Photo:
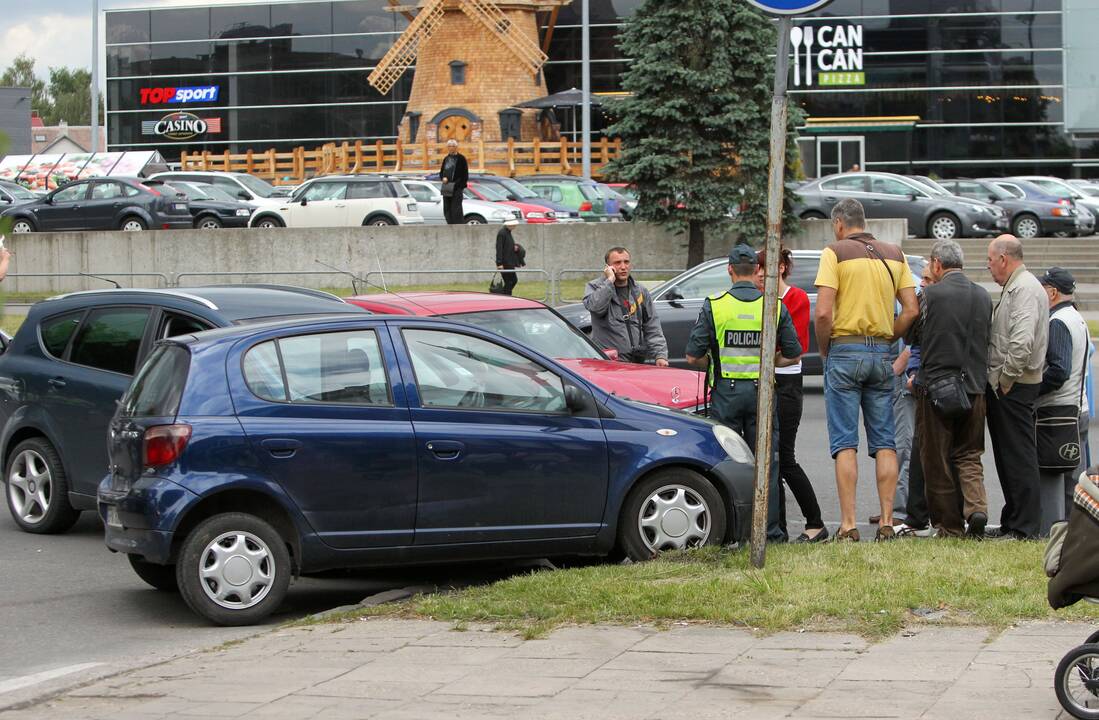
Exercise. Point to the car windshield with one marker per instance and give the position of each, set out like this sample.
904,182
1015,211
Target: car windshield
539,329
517,188
490,193
934,187
19,192
257,186
998,192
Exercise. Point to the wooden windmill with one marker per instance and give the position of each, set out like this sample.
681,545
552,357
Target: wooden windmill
474,60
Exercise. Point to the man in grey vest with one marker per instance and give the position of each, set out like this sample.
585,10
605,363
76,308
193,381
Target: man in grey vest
1063,380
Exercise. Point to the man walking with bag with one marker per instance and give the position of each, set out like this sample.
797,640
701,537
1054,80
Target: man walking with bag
509,255
455,177
952,333
1061,397
1016,355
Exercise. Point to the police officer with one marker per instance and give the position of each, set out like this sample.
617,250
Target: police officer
726,341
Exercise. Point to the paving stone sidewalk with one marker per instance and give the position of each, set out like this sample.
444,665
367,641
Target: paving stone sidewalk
419,670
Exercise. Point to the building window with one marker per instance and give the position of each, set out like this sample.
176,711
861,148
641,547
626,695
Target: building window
457,72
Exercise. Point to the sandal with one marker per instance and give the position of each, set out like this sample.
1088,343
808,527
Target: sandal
885,533
851,535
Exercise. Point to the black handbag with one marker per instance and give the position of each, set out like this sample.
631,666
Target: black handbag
447,188
948,396
496,287
1057,433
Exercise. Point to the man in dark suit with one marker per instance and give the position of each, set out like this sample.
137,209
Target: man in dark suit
455,177
953,330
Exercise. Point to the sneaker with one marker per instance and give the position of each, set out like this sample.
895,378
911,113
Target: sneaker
975,525
851,535
906,530
925,532
885,533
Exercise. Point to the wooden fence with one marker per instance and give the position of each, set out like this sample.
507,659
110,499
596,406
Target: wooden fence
502,158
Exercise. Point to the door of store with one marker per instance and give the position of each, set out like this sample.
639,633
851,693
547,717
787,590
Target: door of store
840,154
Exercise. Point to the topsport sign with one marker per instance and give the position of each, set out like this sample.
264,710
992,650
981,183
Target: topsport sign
161,95
789,7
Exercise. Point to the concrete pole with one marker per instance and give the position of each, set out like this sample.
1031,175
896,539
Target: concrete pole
766,407
95,76
585,86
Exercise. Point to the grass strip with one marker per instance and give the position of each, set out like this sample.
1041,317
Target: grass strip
873,590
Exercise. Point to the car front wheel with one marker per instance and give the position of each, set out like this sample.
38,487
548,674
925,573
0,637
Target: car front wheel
38,489
474,220
944,226
233,569
22,226
268,222
672,509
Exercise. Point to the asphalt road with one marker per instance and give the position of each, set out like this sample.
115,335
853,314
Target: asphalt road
67,601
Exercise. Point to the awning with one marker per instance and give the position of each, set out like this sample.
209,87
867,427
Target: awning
566,98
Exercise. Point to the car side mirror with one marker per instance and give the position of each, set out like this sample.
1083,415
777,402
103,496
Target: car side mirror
673,296
913,197
304,202
243,195
576,399
611,353
7,200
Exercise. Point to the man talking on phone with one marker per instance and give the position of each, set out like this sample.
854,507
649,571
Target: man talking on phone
623,317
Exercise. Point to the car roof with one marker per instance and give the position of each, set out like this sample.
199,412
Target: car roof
444,303
199,172
232,302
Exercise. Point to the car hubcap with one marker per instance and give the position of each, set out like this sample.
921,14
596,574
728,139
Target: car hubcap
1026,228
209,225
30,487
474,221
267,224
21,227
131,226
673,518
944,229
380,223
237,570
1082,682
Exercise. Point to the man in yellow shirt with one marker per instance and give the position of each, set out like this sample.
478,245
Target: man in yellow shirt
860,281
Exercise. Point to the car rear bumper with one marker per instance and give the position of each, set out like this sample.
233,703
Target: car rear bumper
140,521
738,481
1062,224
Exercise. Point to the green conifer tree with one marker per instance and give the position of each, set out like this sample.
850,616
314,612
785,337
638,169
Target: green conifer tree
695,125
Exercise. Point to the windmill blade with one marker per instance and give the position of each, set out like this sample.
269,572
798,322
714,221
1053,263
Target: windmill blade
404,50
493,18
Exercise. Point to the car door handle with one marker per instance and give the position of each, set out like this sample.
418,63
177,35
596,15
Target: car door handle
446,449
57,382
341,206
281,447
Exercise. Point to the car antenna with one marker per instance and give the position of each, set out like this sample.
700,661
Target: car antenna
97,277
355,279
383,288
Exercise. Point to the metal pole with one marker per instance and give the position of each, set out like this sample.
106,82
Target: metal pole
765,410
585,86
95,76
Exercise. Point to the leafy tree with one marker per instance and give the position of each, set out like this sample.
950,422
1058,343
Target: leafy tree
67,97
21,74
695,126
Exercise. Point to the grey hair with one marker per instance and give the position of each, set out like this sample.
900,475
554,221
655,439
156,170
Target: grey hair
451,141
949,253
850,212
1008,245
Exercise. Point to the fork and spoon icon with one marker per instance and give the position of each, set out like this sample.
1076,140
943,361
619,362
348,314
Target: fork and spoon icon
798,37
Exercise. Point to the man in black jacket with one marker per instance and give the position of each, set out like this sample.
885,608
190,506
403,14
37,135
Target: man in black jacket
953,331
509,255
455,176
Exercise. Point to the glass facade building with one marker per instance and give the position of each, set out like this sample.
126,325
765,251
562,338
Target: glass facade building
950,87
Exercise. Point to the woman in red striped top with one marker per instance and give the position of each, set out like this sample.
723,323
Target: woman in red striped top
789,395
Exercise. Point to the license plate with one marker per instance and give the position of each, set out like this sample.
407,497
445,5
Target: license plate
181,206
112,517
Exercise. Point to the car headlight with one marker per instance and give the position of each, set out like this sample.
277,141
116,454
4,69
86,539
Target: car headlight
243,212
536,215
734,445
976,208
501,215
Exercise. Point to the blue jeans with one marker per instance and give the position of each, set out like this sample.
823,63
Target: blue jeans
859,376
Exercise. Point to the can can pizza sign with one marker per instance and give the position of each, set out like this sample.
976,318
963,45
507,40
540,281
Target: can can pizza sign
180,126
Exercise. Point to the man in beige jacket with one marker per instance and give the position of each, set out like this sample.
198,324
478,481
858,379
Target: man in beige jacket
1016,356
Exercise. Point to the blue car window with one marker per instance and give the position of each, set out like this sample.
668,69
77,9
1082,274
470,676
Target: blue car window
705,283
57,330
158,387
339,367
262,372
111,339
460,371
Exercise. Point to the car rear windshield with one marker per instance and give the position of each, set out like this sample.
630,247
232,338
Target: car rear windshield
156,390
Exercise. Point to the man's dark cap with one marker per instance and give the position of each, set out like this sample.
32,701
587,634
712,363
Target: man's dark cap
742,254
1059,279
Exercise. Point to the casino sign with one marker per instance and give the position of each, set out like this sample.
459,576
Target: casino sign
181,126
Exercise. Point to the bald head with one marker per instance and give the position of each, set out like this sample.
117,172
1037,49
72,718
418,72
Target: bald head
1005,255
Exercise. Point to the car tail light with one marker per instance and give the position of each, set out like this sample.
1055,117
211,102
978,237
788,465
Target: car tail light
164,444
1061,212
585,207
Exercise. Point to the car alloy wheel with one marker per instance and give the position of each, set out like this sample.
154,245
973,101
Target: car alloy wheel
381,222
268,223
30,487
209,223
237,570
1026,227
944,227
474,220
674,517
22,226
133,225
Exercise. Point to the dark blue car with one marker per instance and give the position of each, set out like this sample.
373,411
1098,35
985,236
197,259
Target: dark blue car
70,362
243,457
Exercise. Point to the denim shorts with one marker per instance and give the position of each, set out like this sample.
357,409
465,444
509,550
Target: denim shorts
859,376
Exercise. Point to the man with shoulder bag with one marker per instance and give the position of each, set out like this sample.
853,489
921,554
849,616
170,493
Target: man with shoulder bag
1061,397
952,331
454,175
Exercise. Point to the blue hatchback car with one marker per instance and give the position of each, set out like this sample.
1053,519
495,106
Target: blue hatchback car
242,457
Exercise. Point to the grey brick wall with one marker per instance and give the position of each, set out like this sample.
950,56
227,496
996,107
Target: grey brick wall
15,118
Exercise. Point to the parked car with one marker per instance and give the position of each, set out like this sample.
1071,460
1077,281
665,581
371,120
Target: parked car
74,356
241,186
1083,221
282,191
242,457
627,199
611,205
539,327
514,190
342,201
211,208
679,300
115,203
12,193
429,201
584,198
1039,215
885,195
1061,189
531,212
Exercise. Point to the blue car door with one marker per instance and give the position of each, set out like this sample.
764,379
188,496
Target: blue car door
333,432
501,457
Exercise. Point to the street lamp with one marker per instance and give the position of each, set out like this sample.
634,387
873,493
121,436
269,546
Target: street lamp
585,86
95,76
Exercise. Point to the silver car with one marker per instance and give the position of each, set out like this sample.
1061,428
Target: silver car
429,196
885,195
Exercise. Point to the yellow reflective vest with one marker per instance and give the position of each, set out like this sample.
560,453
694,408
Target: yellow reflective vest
738,329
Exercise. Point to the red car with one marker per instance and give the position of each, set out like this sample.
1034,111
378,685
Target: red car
532,213
541,328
